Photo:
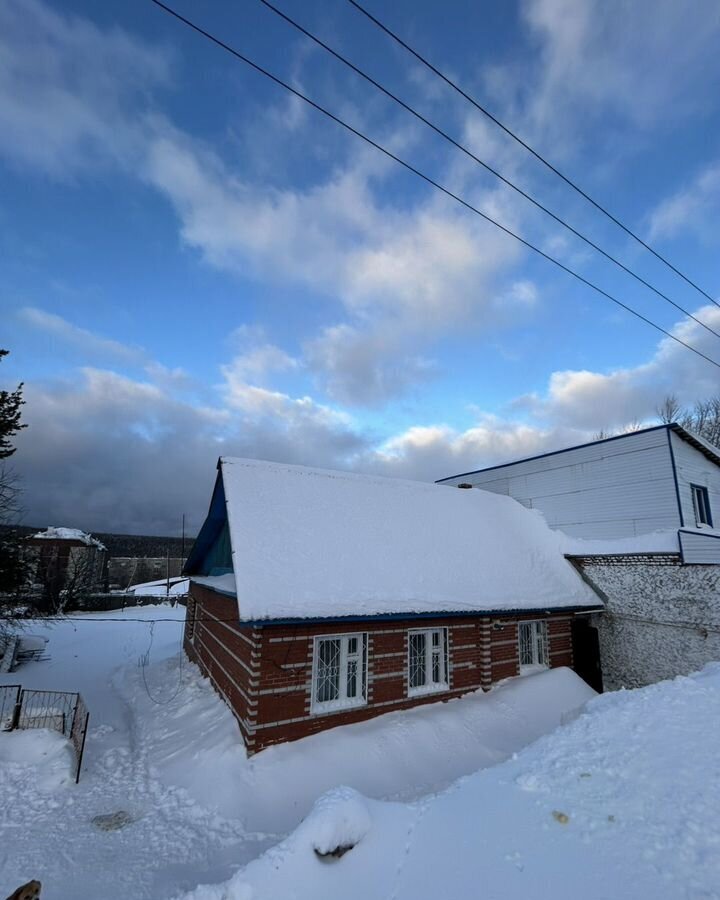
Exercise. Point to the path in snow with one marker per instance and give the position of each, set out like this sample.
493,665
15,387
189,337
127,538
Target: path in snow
172,840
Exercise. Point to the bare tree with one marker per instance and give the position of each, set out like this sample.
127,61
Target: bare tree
634,425
703,418
65,575
669,410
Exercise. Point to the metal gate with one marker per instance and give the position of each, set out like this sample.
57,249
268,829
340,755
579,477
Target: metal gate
58,710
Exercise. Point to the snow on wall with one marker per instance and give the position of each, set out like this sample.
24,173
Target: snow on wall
662,618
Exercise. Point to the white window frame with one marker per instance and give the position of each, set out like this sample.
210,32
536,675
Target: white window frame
430,687
701,505
343,701
540,646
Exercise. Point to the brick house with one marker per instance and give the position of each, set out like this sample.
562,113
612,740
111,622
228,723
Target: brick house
66,565
322,598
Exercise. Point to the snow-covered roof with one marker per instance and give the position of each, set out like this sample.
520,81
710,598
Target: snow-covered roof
311,543
175,586
54,533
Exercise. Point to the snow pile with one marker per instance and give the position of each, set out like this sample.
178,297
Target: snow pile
37,759
400,755
55,533
310,542
622,803
653,542
339,820
667,541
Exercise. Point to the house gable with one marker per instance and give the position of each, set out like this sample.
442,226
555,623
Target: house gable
211,554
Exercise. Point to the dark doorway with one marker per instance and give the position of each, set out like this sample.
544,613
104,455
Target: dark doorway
586,653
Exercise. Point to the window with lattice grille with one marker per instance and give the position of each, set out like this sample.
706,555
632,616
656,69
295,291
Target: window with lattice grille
427,660
339,672
533,644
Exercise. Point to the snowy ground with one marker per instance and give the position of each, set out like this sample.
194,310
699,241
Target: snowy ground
624,802
165,749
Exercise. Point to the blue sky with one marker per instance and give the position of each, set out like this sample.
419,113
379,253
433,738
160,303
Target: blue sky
195,263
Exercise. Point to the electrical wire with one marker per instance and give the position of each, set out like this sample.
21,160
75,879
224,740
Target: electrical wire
145,659
456,87
258,68
507,181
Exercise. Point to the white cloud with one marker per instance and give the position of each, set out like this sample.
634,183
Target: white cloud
139,455
365,366
428,265
74,95
87,345
694,208
86,341
69,90
636,60
258,363
438,451
595,400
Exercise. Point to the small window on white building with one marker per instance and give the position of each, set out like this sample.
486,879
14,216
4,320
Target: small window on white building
701,503
533,641
427,661
339,672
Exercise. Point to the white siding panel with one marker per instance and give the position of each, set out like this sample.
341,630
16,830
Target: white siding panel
700,548
693,467
610,489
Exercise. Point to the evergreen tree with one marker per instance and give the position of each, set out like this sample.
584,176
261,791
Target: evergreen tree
10,403
11,558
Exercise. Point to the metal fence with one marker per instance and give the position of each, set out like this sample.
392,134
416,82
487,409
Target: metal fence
58,710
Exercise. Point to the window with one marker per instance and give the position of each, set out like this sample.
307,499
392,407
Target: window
701,503
339,672
533,641
427,661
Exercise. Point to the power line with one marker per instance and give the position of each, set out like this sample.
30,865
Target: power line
455,143
427,178
530,149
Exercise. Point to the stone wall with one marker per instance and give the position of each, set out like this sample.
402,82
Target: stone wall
662,618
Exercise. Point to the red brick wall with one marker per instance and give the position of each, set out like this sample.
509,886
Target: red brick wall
504,658
286,674
227,652
265,673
